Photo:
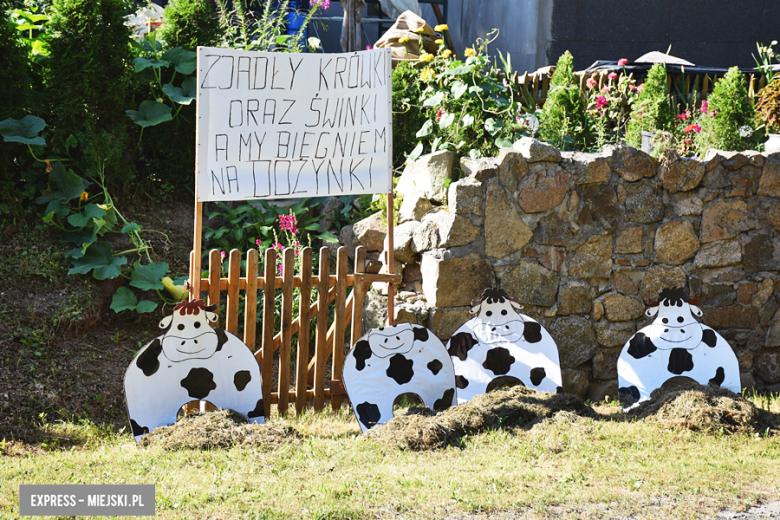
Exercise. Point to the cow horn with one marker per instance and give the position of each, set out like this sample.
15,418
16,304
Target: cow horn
694,300
166,310
514,299
474,303
652,303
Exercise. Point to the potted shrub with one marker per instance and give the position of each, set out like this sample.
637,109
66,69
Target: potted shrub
768,113
729,124
564,121
652,109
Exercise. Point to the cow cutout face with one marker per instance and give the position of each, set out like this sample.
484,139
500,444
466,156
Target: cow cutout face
497,319
674,345
189,335
387,341
191,363
675,325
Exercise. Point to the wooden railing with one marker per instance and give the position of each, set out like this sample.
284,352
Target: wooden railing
310,382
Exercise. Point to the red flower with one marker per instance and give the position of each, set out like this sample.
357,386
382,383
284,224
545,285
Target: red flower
692,128
439,113
612,75
631,87
683,116
622,62
590,83
601,102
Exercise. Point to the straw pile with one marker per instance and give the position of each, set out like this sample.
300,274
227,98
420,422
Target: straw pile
515,407
709,409
222,429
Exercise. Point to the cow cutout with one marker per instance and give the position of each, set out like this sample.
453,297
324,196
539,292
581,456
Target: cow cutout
191,361
500,346
390,361
673,345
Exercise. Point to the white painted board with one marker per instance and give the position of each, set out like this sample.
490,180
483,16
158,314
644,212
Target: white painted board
191,361
501,345
391,361
281,125
673,345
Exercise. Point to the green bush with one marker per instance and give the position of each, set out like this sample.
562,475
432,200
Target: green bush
564,122
14,69
731,127
189,23
652,110
407,115
88,67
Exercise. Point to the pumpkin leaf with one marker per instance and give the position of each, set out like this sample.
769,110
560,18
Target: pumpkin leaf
182,95
80,220
149,277
123,300
100,260
150,113
24,130
184,61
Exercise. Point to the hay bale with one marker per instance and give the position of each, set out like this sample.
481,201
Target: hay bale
515,407
221,429
709,409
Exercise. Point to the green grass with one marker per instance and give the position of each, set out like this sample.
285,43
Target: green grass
562,469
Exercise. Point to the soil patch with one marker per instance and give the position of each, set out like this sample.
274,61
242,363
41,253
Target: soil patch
708,409
222,429
420,429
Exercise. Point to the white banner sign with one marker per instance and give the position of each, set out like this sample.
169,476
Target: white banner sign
277,125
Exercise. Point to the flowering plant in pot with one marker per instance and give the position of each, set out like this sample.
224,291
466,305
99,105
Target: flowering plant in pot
768,113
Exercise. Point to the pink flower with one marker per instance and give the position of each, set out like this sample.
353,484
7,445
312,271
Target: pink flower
631,87
590,83
280,270
325,4
697,128
605,88
439,113
258,242
368,47
288,223
278,247
683,116
640,88
222,254
601,102
692,128
704,107
712,114
612,75
622,62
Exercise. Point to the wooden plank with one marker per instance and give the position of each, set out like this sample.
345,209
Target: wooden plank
215,268
330,336
337,389
322,331
288,271
267,361
304,320
250,308
390,262
195,260
358,293
340,320
296,322
223,282
234,273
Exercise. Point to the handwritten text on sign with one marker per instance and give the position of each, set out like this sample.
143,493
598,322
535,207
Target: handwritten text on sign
276,125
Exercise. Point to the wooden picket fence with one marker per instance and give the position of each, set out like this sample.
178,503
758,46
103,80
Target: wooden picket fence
310,383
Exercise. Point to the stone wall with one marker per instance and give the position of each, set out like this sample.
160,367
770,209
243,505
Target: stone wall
583,240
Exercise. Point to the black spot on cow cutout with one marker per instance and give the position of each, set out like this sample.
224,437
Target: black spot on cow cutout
420,333
503,382
537,374
558,389
368,414
720,375
498,360
445,402
138,430
674,296
199,383
640,346
362,353
628,396
259,410
461,382
241,379
148,361
680,360
400,369
434,366
532,332
460,344
221,339
709,338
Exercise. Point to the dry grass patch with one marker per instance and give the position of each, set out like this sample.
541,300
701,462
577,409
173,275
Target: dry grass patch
420,429
708,409
222,429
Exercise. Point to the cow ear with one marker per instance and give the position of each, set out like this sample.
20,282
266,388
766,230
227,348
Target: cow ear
516,306
696,311
475,309
212,307
652,311
166,322
212,316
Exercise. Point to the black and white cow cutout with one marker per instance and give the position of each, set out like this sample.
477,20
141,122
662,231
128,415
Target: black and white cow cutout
674,344
501,345
392,361
191,361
